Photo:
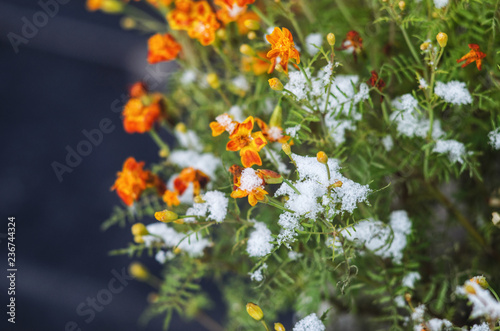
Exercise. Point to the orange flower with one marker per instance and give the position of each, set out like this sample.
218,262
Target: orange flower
251,183
94,5
162,48
191,176
283,46
272,133
140,114
249,15
138,90
248,143
223,123
180,18
133,180
204,29
257,64
377,82
474,55
233,10
353,42
171,198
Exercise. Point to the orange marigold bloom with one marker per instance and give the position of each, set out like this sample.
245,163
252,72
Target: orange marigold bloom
139,117
204,29
223,123
171,198
474,55
138,90
233,10
251,183
133,180
192,176
249,15
272,133
352,43
180,18
283,46
257,64
249,144
94,5
162,47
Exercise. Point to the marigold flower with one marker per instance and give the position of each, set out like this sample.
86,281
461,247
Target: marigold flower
162,47
251,183
139,117
248,143
474,55
272,133
180,18
377,82
223,123
352,43
232,10
133,180
204,24
171,198
192,176
108,6
282,46
138,89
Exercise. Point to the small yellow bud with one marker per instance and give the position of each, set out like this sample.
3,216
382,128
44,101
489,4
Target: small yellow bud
251,35
481,281
128,23
276,84
166,216
279,68
279,327
322,157
336,184
213,81
163,153
470,289
402,5
177,250
112,6
435,15
424,46
331,39
138,271
247,50
153,297
138,239
252,24
286,148
139,229
181,127
199,199
442,39
254,311
221,34
276,117
408,297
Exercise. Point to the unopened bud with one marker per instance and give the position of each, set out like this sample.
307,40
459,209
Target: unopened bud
198,199
213,81
286,148
166,216
112,6
164,152
276,117
336,184
408,297
322,157
153,297
251,35
181,127
138,90
481,281
247,50
331,39
402,5
252,24
221,34
279,327
177,250
442,39
276,84
254,311
424,46
139,239
139,229
138,271
128,23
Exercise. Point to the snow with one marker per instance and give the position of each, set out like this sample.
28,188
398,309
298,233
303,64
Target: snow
454,92
258,244
214,208
250,181
494,137
313,40
205,162
410,279
309,323
257,275
454,149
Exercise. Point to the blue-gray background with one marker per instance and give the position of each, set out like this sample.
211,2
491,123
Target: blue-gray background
63,81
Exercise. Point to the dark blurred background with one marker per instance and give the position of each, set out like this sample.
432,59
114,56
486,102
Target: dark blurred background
64,79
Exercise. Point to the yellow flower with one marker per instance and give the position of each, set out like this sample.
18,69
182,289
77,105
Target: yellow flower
283,46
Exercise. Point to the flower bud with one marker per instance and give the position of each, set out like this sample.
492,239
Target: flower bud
331,39
138,271
402,5
139,239
322,157
112,6
254,311
407,297
442,39
164,152
276,84
139,229
198,199
336,184
424,46
181,127
128,23
166,216
221,34
252,24
469,289
247,50
138,90
279,327
481,281
177,250
286,148
276,117
213,81
251,35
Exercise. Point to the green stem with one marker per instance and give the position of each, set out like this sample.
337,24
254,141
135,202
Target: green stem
271,203
494,293
291,185
158,141
410,45
262,16
265,325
